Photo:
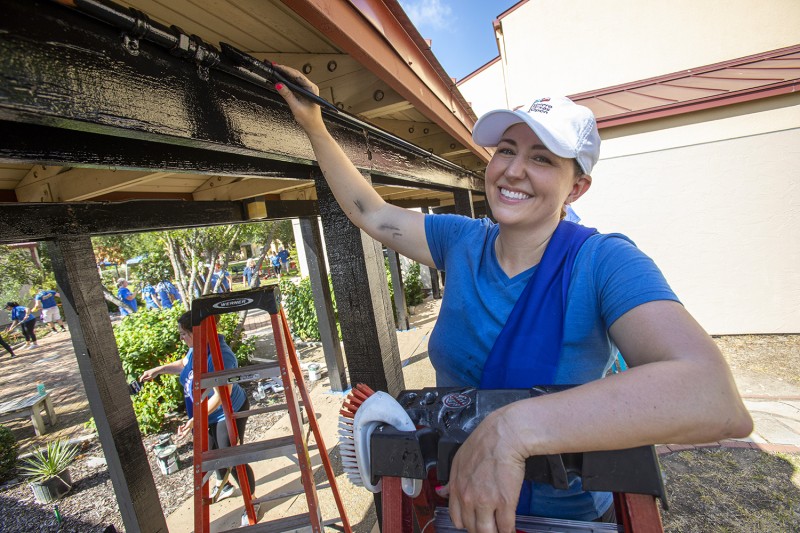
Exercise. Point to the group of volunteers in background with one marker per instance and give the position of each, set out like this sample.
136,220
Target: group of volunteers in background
25,318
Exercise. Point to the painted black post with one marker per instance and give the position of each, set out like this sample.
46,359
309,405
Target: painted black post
362,298
318,272
401,310
105,384
463,203
436,289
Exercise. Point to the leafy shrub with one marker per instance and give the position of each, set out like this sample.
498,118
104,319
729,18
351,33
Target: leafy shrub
412,286
150,338
9,450
298,302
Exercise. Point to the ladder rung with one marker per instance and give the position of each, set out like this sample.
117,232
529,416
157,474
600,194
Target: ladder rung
290,523
250,453
260,410
288,494
239,375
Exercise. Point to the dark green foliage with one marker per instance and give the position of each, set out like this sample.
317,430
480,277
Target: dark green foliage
298,302
150,338
9,450
412,286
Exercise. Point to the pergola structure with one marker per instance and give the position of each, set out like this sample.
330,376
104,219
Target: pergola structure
127,117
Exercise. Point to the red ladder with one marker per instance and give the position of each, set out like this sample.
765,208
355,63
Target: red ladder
206,461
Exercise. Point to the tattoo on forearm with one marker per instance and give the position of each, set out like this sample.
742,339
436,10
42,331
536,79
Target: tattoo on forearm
359,206
396,233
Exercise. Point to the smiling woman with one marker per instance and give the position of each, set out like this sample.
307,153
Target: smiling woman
535,300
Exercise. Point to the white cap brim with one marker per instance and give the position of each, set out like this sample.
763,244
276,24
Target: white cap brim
490,128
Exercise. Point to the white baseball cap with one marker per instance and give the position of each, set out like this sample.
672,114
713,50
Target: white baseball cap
566,128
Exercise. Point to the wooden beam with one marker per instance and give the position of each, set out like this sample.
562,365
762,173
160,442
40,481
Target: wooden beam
323,303
400,308
34,222
79,184
103,379
250,188
222,114
362,299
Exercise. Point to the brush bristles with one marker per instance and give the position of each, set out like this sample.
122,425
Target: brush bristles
347,445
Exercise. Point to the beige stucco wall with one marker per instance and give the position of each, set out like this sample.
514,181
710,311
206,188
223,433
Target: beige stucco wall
717,205
713,197
572,46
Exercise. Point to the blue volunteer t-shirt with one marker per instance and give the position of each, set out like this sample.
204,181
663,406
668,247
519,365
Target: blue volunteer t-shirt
123,294
149,295
610,277
163,295
18,313
186,379
47,298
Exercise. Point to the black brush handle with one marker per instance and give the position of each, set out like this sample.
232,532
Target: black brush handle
265,69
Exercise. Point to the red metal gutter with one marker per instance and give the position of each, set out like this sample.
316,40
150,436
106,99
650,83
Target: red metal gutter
370,32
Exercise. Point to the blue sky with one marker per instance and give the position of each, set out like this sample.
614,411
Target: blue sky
461,30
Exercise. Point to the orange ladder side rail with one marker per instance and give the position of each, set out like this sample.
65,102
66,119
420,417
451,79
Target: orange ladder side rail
312,422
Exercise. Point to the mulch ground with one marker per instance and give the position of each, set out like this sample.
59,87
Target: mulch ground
710,490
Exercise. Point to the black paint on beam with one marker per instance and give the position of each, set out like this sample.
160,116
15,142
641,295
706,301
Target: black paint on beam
62,69
103,378
463,203
362,299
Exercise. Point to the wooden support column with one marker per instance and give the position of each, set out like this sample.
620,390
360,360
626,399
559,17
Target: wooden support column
401,311
318,272
463,203
436,289
105,384
362,298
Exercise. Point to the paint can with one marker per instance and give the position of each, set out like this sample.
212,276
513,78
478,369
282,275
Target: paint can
167,457
313,372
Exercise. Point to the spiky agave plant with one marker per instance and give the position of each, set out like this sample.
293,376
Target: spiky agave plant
50,462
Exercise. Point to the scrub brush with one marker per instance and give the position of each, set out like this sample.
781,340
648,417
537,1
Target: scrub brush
362,411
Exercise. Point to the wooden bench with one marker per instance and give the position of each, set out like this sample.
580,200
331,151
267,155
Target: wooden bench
30,406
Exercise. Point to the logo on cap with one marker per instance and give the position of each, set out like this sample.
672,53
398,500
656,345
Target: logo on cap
539,106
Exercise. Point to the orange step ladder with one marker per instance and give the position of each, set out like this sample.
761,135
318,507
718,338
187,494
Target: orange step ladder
204,311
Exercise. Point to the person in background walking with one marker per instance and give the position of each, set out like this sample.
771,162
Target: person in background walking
7,346
22,317
46,301
275,261
248,272
283,257
127,296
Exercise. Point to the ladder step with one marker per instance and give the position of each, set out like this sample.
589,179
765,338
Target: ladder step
262,410
250,453
290,523
288,494
240,375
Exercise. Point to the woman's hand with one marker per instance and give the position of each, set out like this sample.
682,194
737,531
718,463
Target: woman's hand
486,477
150,374
306,113
185,429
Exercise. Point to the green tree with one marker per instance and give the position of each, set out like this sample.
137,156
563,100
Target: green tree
19,268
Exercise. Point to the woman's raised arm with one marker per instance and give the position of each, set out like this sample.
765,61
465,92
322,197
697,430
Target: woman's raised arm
400,229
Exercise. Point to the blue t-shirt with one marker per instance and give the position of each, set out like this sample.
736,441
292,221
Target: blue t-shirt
123,293
610,277
275,260
149,295
18,313
163,295
283,255
172,290
187,381
248,274
47,298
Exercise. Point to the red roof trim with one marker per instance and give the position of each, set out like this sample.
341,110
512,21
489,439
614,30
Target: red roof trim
701,104
769,88
478,70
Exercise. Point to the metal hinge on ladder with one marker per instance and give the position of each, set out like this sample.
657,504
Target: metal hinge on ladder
298,406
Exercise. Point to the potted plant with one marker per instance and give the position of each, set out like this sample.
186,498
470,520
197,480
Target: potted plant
47,470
